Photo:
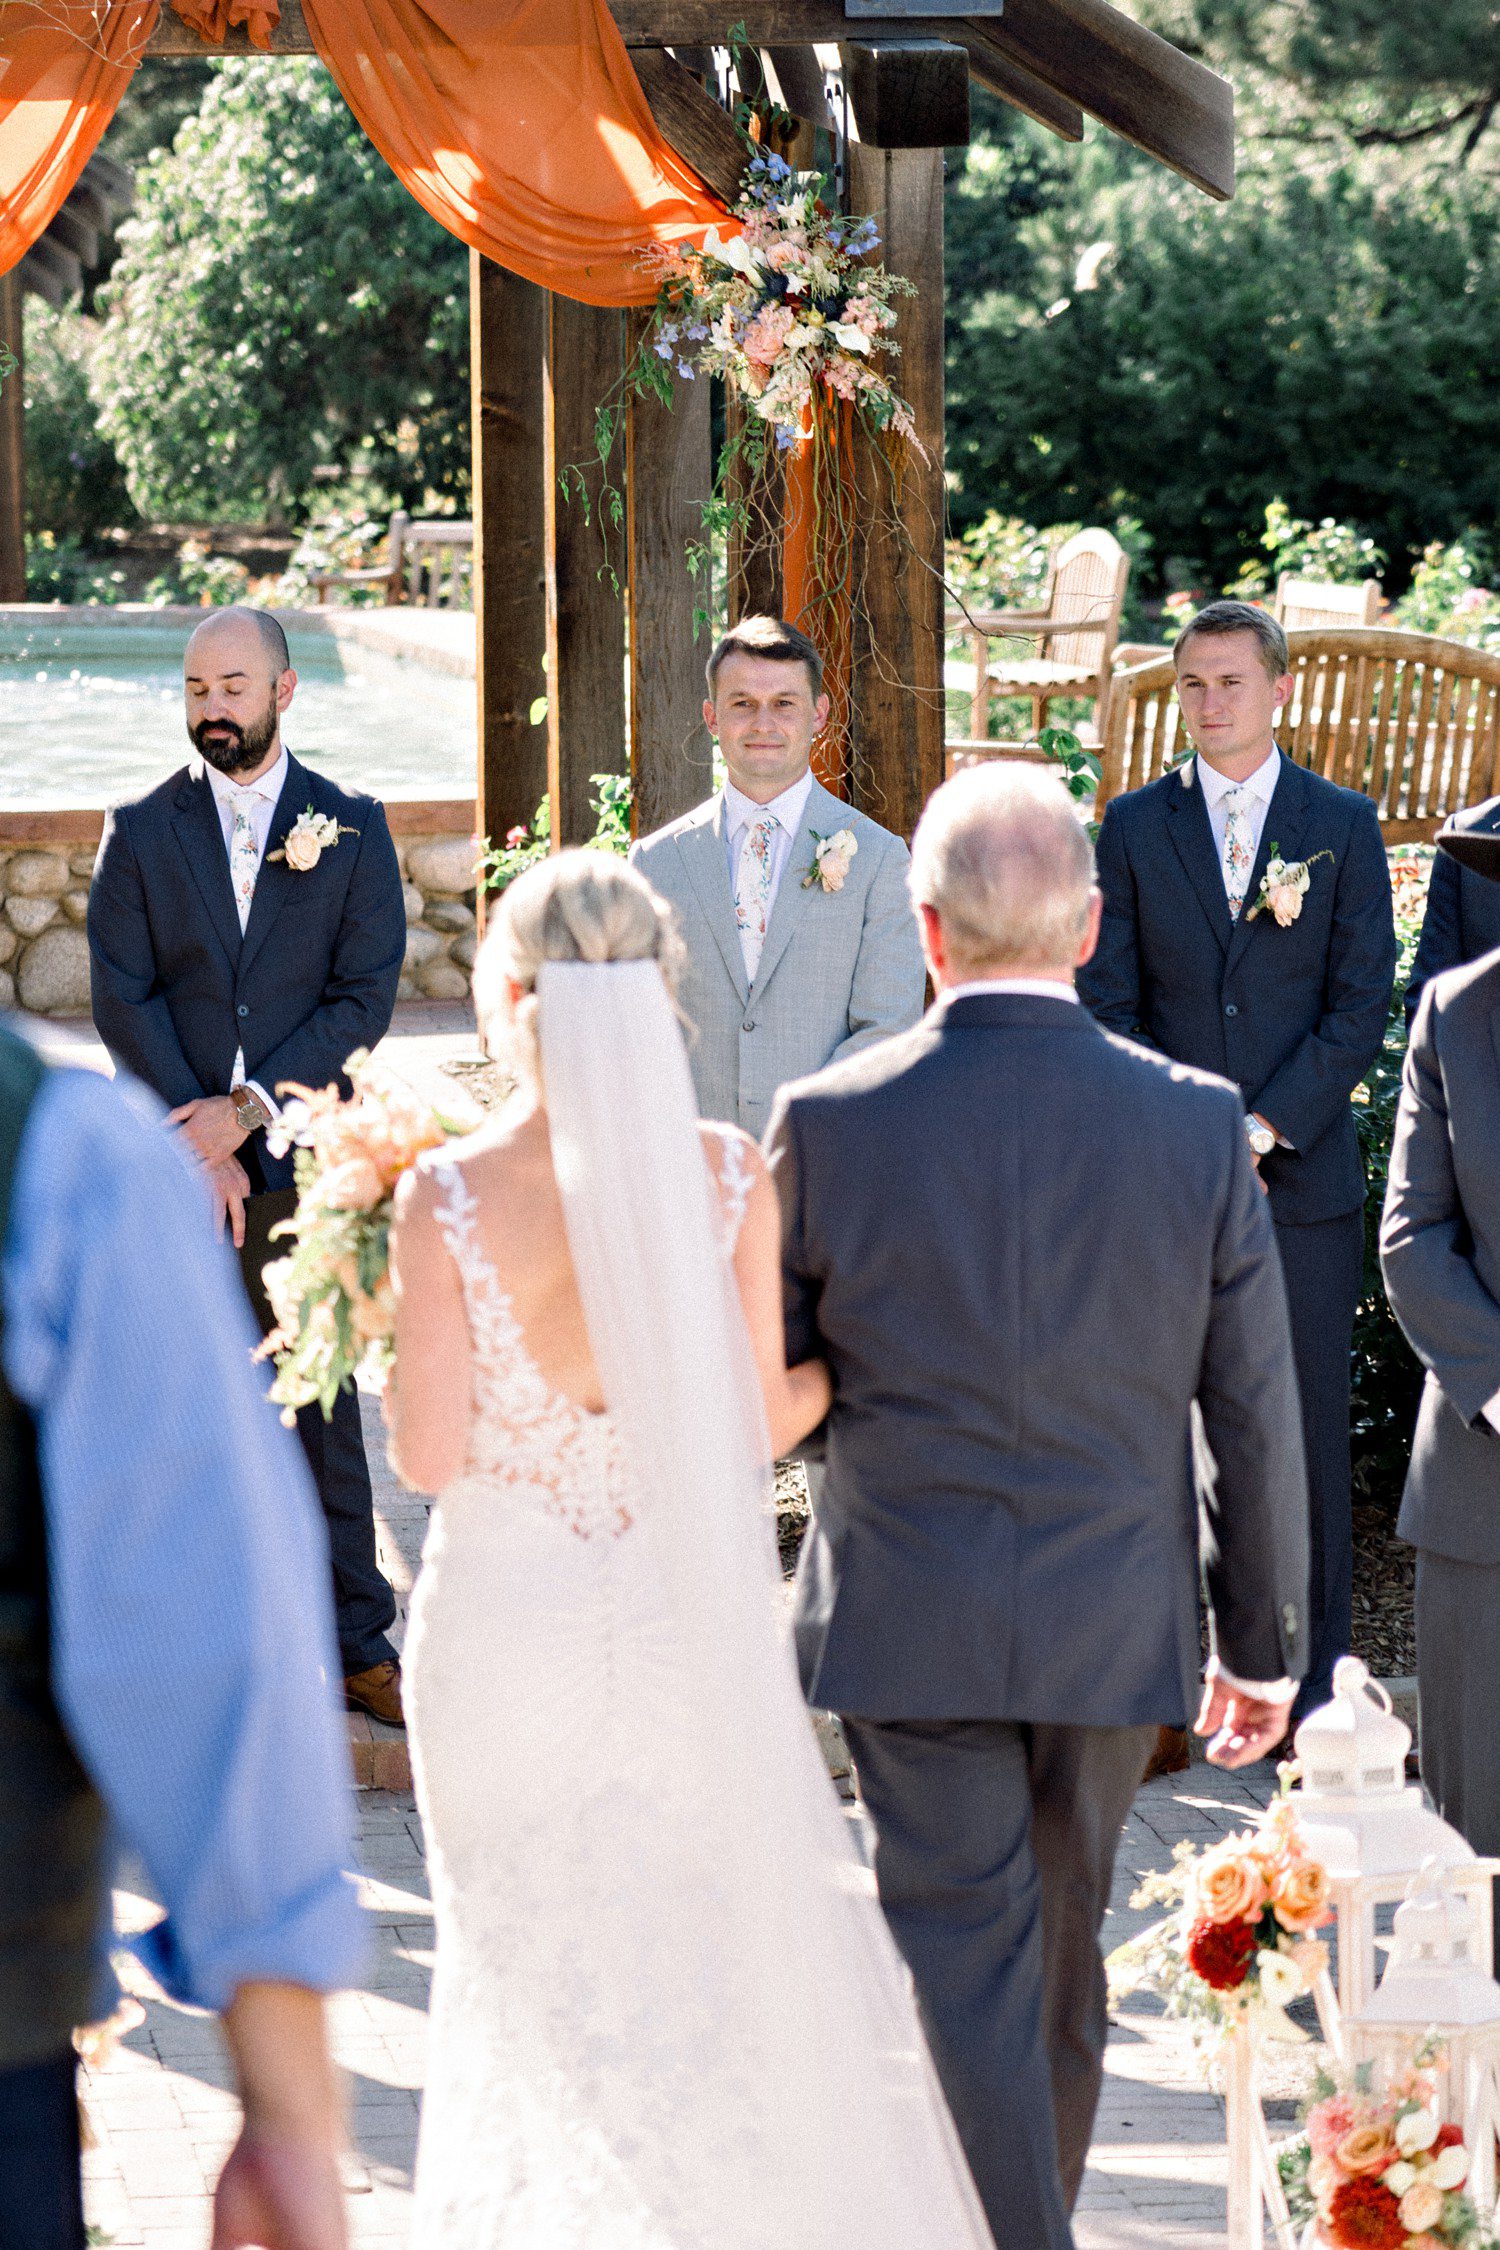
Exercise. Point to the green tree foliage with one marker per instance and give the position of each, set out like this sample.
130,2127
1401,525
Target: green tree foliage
74,484
281,311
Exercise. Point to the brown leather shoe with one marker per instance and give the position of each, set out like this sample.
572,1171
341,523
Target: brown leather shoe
377,1691
1171,1755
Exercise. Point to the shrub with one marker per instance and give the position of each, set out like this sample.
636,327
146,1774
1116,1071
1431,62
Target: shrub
75,487
59,571
1447,595
1332,551
213,581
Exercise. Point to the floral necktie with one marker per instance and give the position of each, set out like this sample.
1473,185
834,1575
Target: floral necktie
752,889
1239,848
244,862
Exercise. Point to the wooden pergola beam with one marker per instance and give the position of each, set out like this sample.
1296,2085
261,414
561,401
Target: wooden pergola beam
907,93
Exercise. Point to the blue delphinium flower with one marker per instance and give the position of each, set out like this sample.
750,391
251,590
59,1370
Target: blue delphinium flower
687,373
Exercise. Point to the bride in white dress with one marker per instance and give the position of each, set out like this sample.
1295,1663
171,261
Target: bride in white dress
666,2014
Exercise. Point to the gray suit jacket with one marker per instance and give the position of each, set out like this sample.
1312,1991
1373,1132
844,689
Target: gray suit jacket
1440,1249
1025,1246
839,969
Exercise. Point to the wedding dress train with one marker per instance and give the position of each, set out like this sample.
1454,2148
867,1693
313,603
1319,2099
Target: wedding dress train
666,2014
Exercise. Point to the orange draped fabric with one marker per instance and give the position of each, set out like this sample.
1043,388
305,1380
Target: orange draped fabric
62,73
521,126
518,124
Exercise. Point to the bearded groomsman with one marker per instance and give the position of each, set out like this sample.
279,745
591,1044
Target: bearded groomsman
1282,987
247,929
802,946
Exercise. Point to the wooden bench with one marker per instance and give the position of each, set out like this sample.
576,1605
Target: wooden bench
429,563
1303,604
1408,719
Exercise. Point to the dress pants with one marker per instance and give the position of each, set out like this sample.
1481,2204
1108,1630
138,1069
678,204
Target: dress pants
41,2195
1458,1697
995,1848
1324,1267
364,1605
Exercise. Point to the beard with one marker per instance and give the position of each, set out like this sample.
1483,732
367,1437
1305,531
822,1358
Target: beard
232,748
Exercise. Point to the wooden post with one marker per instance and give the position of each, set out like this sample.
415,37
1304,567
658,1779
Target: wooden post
507,328
12,448
668,471
898,651
754,558
585,612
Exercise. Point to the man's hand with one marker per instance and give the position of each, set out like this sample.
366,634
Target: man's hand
279,2191
229,1184
1242,1727
211,1127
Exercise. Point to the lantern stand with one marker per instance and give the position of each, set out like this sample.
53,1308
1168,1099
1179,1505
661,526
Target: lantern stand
1372,1830
1255,2192
1434,1986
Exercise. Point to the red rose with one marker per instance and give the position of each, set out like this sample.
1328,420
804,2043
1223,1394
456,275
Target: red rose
1221,1952
1364,2215
1449,2136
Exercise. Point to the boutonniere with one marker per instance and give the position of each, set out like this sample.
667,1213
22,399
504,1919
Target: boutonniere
830,860
1284,885
309,837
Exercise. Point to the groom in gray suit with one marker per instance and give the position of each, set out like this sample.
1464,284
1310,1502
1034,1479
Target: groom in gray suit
801,944
1026,1246
1440,1249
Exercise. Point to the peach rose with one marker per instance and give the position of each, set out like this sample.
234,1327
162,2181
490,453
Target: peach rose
1300,1895
374,1316
1229,1886
1421,2207
303,851
1365,2151
1285,902
834,871
355,1185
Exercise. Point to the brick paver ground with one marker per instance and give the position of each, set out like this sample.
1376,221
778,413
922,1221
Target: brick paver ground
164,2118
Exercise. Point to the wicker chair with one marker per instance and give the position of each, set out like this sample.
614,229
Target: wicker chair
1075,631
1410,720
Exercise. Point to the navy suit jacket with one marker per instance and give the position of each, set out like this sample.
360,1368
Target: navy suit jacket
1462,920
1294,1016
1018,1321
176,987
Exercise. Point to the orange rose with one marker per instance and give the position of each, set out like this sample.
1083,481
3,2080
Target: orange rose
354,1185
1365,2152
1300,1895
1229,1887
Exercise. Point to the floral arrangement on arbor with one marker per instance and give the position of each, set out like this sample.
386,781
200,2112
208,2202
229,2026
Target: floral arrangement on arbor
1239,1944
788,307
1380,2172
332,1296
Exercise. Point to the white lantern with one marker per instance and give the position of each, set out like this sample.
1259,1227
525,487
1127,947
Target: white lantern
1434,1985
1371,1829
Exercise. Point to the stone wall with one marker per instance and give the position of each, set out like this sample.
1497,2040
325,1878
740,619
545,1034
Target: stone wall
46,860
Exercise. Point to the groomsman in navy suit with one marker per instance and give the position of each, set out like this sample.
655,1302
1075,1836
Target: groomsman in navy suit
1284,988
1462,920
231,953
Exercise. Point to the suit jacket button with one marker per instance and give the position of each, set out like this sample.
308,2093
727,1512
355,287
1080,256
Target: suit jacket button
749,1024
242,1010
1230,1008
1289,1618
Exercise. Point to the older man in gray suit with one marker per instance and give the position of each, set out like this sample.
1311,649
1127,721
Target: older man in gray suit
1440,1249
801,944
1026,1246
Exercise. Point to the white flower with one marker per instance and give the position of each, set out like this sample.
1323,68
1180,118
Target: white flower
309,837
1450,2168
1417,2130
1399,2177
1280,1978
853,339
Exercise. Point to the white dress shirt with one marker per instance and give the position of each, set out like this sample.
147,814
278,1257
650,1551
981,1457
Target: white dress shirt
1261,786
741,812
1054,988
258,799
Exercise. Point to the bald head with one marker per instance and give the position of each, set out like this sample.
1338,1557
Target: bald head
1002,873
238,677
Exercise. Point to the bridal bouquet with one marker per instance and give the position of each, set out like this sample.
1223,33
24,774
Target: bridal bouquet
1380,2172
332,1296
1239,1943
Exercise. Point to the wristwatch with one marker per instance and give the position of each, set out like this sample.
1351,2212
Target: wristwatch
1261,1138
250,1110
